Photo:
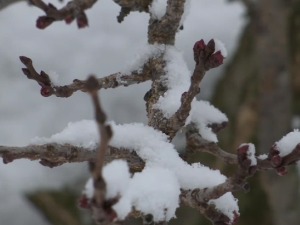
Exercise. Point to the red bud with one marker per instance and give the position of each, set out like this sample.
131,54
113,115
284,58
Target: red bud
46,91
84,202
198,47
82,20
69,19
210,48
44,21
276,160
281,171
215,60
243,149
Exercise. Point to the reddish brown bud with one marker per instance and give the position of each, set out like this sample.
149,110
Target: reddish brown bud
26,71
243,149
46,91
276,160
281,171
236,217
84,202
69,19
210,47
198,47
44,21
215,60
82,20
274,150
25,60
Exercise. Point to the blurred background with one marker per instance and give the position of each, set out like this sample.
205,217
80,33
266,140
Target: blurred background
262,60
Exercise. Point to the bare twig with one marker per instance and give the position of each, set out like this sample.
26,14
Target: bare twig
110,81
98,204
195,143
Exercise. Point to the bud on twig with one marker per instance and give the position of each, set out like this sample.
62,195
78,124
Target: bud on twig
44,21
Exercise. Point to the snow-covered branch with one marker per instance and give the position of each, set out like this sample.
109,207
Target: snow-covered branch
135,167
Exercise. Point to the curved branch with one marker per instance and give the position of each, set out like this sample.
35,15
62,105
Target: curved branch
110,81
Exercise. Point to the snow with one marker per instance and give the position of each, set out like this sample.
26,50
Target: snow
153,191
54,77
158,9
220,46
186,12
116,175
142,55
107,46
203,114
288,143
82,134
177,79
88,190
262,156
227,204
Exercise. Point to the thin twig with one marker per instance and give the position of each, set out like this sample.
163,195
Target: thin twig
110,81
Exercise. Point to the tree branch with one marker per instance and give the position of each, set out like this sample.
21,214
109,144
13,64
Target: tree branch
73,10
54,154
110,81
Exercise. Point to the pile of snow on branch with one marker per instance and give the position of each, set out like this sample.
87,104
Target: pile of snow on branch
156,189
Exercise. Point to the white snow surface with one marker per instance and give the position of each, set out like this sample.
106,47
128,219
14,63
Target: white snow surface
288,143
262,156
227,204
177,79
220,46
162,164
82,134
116,175
153,191
203,114
142,55
158,8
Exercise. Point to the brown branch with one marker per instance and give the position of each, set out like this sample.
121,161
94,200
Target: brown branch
195,143
163,31
54,154
110,81
73,10
100,211
189,198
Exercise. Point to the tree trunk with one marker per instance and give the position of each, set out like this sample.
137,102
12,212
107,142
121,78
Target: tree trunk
257,90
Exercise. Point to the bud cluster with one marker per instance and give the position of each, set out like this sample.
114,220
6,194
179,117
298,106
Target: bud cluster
205,53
